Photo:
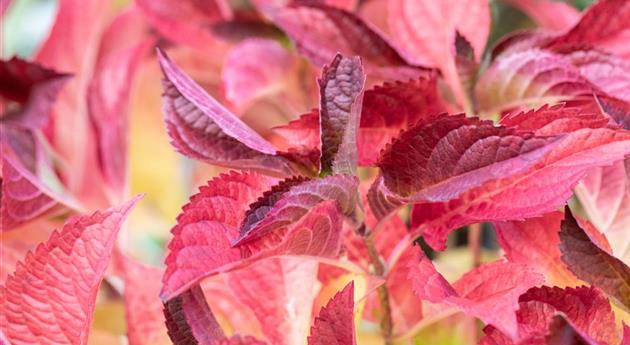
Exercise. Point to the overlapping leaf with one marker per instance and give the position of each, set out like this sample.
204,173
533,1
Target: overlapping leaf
392,107
320,32
306,220
586,142
51,296
449,156
201,128
189,320
550,14
489,292
28,93
23,197
341,96
335,322
591,263
298,201
529,78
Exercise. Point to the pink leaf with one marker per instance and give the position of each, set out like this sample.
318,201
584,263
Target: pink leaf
626,335
392,107
426,29
534,242
109,96
51,296
341,96
592,264
24,197
254,68
302,133
238,340
298,200
451,155
281,293
29,91
320,32
186,21
489,292
582,146
143,308
604,25
72,46
608,72
529,78
201,128
190,321
335,322
550,14
605,195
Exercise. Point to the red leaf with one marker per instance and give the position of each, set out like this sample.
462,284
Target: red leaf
51,296
550,14
143,308
534,242
335,322
186,21
109,95
592,264
426,29
201,128
295,203
190,321
626,335
341,96
320,32
303,133
527,79
605,195
586,308
206,227
451,155
33,88
489,292
281,293
392,107
604,25
550,179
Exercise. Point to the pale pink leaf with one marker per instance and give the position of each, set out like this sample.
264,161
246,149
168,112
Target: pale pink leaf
550,14
320,32
280,291
489,292
143,308
534,242
605,195
52,294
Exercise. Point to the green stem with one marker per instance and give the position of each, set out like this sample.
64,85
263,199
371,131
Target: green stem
383,295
